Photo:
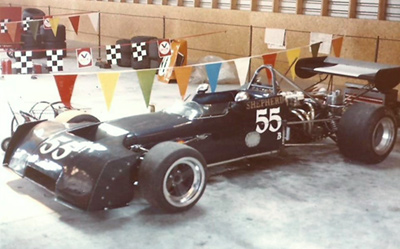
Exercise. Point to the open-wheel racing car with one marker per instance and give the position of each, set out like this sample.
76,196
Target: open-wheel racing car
166,154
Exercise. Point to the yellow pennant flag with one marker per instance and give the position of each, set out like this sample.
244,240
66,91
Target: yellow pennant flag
337,46
54,24
182,77
292,56
108,83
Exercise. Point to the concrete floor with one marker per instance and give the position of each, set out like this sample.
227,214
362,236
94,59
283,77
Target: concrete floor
308,197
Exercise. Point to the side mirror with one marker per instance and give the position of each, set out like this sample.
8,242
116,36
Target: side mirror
202,88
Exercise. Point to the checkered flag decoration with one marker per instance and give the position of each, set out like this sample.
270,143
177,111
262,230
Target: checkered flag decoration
24,62
113,53
3,25
25,23
55,60
139,51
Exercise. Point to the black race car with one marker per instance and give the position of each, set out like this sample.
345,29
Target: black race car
97,165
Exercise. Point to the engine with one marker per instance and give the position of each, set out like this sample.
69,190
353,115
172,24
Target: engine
313,116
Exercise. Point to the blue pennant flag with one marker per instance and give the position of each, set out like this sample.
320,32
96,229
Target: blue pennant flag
213,73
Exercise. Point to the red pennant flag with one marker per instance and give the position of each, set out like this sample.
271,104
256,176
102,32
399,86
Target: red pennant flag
75,23
269,59
65,85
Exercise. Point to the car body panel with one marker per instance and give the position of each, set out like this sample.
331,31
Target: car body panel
91,166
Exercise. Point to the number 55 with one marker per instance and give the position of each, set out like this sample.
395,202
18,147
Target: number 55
263,122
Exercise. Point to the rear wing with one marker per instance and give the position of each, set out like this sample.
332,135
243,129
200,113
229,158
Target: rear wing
383,77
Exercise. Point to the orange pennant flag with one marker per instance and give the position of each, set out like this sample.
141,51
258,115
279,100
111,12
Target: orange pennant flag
108,83
65,85
54,24
12,29
269,59
292,56
182,75
337,46
75,23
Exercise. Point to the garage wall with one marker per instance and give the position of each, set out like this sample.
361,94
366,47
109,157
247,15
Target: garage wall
228,33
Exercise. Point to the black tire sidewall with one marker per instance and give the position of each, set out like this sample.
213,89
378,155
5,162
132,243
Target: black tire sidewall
35,14
356,129
29,40
145,63
155,166
126,53
83,118
5,143
56,46
48,35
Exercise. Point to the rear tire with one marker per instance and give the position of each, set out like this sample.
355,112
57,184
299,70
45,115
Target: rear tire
145,62
172,177
367,133
56,46
48,35
34,14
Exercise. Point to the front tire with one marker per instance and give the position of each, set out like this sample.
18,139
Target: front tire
367,133
5,143
75,116
172,177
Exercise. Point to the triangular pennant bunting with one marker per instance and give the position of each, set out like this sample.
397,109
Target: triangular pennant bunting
146,79
34,27
213,74
242,68
12,29
315,49
54,24
182,78
75,23
94,19
108,83
337,46
269,59
65,85
293,55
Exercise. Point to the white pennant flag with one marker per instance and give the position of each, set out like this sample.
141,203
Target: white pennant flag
94,19
242,67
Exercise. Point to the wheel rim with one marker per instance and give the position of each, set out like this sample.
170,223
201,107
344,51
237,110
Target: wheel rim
383,136
184,182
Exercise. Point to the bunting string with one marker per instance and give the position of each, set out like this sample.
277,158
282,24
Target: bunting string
108,79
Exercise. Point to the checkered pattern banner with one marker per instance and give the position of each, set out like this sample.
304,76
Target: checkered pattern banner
55,60
3,26
23,62
113,53
139,51
25,23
